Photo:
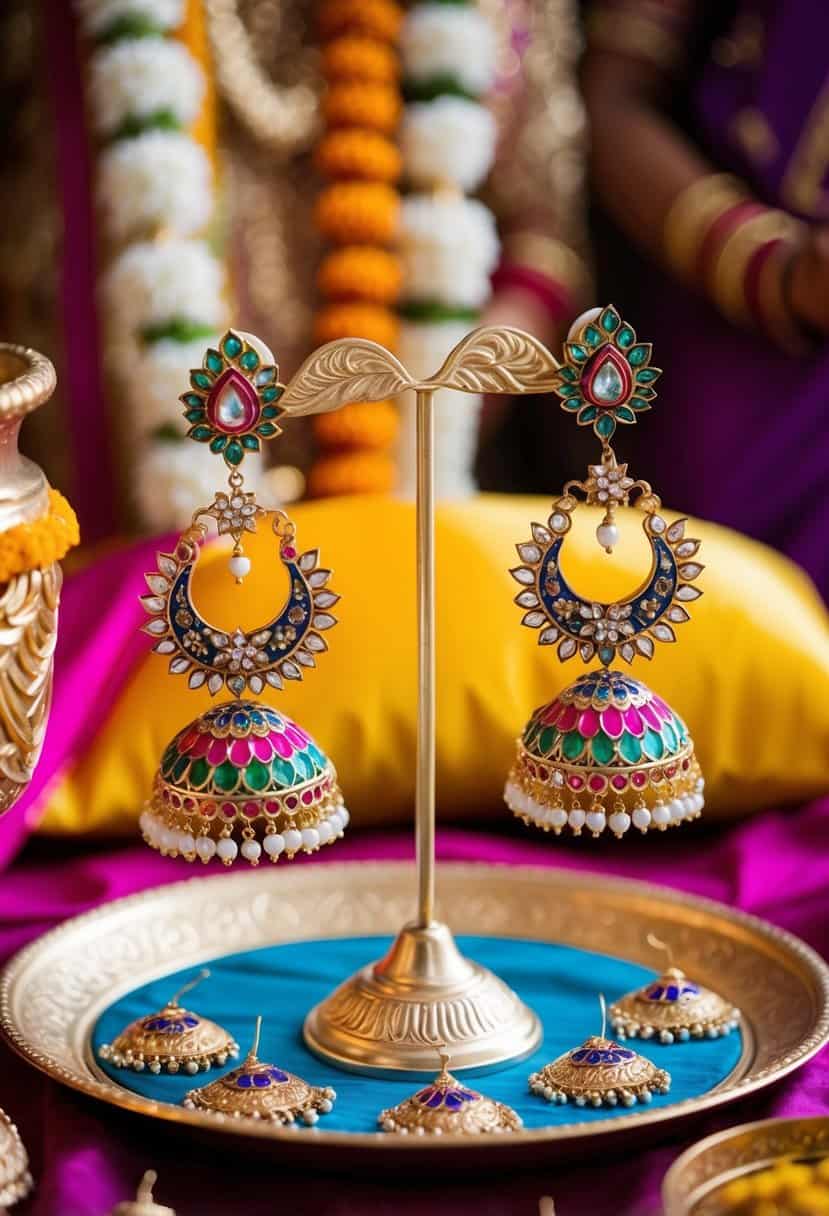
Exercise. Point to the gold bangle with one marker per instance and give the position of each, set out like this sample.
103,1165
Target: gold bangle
773,309
549,256
729,271
692,213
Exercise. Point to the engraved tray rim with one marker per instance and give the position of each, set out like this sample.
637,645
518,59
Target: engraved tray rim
52,978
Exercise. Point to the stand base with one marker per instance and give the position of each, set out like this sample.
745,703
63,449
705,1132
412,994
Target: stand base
391,1015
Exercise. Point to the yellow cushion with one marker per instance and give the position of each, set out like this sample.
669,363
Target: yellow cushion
748,673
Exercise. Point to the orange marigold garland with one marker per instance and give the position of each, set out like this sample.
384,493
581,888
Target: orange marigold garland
360,279
39,543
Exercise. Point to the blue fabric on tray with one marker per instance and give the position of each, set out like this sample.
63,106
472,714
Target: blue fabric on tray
283,982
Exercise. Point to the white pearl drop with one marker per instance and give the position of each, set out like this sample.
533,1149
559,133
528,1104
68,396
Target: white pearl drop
310,838
641,818
186,843
596,821
239,565
677,810
607,535
251,850
293,840
169,839
345,818
325,831
619,822
205,847
558,817
274,845
227,849
576,819
660,814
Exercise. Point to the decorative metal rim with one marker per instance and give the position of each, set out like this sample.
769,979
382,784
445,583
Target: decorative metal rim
524,884
710,1162
31,388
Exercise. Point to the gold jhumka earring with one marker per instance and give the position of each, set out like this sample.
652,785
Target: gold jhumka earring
446,1106
607,752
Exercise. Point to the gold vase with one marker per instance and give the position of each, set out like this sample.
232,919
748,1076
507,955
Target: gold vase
29,601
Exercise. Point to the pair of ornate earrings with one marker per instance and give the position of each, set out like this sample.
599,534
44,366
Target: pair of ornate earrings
599,1072
244,780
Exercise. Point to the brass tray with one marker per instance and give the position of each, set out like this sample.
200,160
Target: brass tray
693,1180
53,991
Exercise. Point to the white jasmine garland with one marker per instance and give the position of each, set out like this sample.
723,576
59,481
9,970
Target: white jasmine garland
141,77
157,180
448,141
153,283
161,372
99,16
455,40
448,248
176,476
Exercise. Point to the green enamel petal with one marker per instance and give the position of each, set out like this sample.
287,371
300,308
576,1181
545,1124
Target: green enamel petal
303,765
625,337
587,414
648,374
648,393
576,352
567,373
624,414
201,380
257,775
571,404
610,320
200,433
547,740
192,399
283,773
639,355
630,748
602,748
249,361
218,444
636,403
270,411
568,390
199,772
234,452
316,755
572,745
194,415
214,362
226,776
271,394
266,429
592,335
669,737
231,345
605,426
652,744
250,442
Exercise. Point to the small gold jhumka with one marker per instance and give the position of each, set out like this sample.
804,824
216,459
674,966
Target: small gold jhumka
445,1106
607,752
172,1040
672,1008
600,1072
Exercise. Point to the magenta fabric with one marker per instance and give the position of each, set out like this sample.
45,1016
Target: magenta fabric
99,643
85,1158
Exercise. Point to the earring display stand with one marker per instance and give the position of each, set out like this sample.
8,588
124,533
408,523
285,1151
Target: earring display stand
389,1016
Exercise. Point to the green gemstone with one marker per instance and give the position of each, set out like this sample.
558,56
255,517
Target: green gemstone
547,740
218,444
249,361
270,411
231,346
639,355
250,442
266,429
257,775
214,362
624,414
576,352
530,734
226,776
194,415
234,452
200,433
625,337
180,767
567,373
605,426
587,414
193,399
592,335
283,773
571,404
602,748
647,393
637,403
606,655
271,394
569,390
200,380
199,772
316,755
652,743
610,320
572,745
648,374
630,749
669,737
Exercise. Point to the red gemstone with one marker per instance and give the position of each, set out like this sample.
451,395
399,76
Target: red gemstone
307,797
639,779
290,552
575,783
619,783
228,809
291,802
606,380
251,809
272,807
233,405
597,783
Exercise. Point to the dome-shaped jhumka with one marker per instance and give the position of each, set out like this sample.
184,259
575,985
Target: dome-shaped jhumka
672,1009
600,1073
243,779
448,1107
606,753
172,1040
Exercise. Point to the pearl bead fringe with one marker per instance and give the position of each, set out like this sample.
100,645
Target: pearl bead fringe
661,816
173,842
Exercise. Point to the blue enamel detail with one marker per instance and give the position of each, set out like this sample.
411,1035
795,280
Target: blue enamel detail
667,994
451,1099
589,1056
261,1080
165,1025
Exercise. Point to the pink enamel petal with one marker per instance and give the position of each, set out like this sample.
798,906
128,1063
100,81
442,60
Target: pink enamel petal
612,722
262,749
296,736
633,721
217,752
662,709
282,746
589,723
240,752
